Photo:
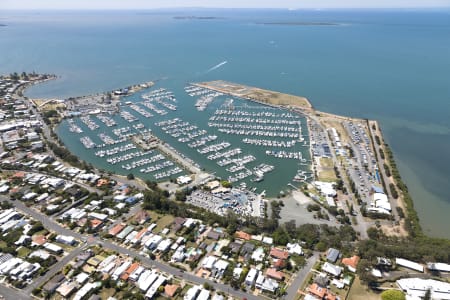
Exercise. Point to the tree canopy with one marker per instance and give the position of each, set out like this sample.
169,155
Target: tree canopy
393,295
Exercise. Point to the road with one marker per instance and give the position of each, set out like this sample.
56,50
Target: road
382,171
13,294
292,291
53,226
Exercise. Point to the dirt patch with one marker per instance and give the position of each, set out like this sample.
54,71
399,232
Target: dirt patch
397,230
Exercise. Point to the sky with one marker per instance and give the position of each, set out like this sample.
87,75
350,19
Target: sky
152,4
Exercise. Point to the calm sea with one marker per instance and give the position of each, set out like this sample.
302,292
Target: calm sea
393,66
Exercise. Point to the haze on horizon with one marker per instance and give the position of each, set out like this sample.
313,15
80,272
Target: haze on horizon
155,4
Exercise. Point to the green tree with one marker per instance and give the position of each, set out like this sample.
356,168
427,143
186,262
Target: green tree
393,295
225,184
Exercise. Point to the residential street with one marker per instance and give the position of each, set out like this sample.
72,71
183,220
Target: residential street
292,291
53,226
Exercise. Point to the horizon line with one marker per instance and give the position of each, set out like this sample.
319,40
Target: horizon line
228,8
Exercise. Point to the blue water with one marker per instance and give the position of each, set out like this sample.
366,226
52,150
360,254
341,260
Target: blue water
393,66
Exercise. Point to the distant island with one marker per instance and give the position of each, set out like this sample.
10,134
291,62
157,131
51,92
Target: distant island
299,23
3,25
195,18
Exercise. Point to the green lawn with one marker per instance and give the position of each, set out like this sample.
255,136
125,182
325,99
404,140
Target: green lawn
359,291
23,252
163,222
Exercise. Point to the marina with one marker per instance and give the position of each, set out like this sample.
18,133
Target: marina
238,141
74,127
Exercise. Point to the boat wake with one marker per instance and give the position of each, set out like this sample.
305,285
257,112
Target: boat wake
217,66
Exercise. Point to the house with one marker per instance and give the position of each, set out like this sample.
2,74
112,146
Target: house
294,248
184,179
258,254
116,229
204,295
164,245
192,293
237,272
66,288
251,276
235,247
440,267
220,266
332,269
95,261
380,203
318,291
53,248
65,239
278,253
247,248
409,264
266,284
128,271
126,231
267,240
243,235
51,286
338,283
208,262
214,235
95,223
42,254
170,290
279,264
351,262
416,288
273,273
322,280
85,290
81,278
217,297
141,217
333,255
178,224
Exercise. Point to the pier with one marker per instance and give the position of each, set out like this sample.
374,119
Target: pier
178,158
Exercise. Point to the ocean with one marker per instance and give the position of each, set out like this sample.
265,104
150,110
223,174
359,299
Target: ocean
389,65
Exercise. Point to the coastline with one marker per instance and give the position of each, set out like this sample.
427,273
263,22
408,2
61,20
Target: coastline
305,108
408,224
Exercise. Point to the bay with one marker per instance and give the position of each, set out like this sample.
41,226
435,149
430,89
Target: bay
388,65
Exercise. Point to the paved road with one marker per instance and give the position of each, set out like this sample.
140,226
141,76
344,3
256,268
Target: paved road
292,291
381,163
13,294
53,226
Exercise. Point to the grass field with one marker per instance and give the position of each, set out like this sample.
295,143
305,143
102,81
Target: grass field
327,176
164,222
106,293
361,292
326,162
326,170
23,252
